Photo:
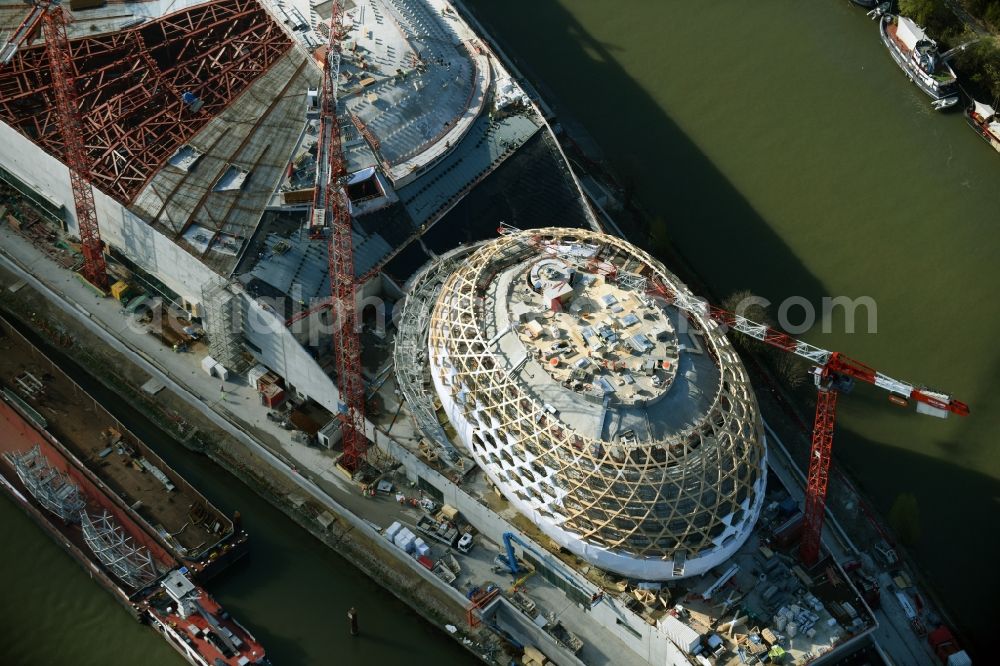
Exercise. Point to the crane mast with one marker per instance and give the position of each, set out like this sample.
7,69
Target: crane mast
331,212
62,74
834,373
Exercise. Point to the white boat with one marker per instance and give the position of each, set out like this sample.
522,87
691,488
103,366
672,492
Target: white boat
984,119
918,56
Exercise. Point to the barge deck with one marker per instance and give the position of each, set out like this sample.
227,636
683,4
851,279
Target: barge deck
105,535
18,437
184,522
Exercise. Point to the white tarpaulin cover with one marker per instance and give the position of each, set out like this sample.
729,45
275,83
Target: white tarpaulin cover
360,176
984,111
909,32
681,634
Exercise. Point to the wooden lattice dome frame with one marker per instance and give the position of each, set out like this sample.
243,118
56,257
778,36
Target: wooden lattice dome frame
655,510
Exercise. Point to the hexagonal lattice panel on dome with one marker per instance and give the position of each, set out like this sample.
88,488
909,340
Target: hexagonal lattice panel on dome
623,426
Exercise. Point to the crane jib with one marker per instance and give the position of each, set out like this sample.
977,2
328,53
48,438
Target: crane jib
829,362
833,371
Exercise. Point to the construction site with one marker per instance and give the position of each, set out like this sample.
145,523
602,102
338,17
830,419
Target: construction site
352,224
646,457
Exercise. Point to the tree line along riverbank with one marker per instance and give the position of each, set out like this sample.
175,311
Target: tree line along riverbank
956,22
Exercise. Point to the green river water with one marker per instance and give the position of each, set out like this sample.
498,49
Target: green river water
785,152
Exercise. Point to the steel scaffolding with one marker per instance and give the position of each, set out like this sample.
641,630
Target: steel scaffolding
51,488
133,565
630,499
410,351
224,325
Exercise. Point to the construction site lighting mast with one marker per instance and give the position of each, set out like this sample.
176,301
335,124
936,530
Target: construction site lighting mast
331,216
833,374
62,73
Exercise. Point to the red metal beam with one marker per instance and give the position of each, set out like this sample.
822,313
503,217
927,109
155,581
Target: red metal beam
130,85
75,155
340,246
819,474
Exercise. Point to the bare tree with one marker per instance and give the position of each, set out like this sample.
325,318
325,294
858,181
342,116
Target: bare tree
747,304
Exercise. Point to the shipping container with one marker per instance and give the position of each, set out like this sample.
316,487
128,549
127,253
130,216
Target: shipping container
682,635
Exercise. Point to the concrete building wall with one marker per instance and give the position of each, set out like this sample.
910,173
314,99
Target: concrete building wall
177,269
158,255
274,345
49,177
148,248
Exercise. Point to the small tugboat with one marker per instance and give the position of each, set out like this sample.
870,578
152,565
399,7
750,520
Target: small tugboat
984,119
917,54
197,627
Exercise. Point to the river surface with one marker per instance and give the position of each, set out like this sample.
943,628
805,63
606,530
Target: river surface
291,591
784,152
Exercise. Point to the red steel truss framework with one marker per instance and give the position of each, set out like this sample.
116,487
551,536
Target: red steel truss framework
130,86
71,127
819,474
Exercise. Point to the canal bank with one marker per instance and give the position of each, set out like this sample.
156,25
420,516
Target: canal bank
789,133
300,585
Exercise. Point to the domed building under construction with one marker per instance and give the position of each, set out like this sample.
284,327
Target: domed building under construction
623,425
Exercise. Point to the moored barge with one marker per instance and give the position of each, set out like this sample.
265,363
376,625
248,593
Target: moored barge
139,482
144,577
984,119
119,548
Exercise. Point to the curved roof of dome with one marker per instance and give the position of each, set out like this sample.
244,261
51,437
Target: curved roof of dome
625,428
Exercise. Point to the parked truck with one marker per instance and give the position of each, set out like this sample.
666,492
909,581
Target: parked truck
447,569
442,531
947,648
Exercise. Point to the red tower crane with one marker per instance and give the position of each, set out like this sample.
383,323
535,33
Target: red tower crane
62,74
331,216
833,373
